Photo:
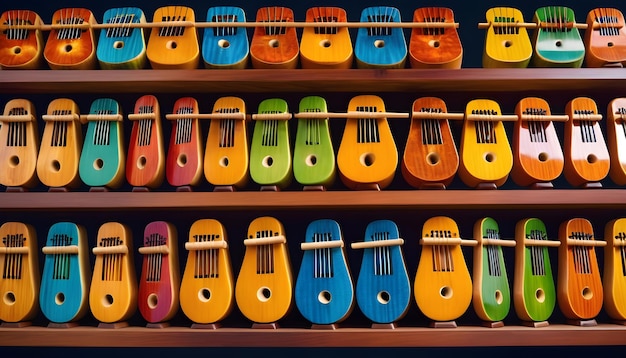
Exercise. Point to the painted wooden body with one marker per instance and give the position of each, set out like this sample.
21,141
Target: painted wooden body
537,153
313,154
122,47
486,156
183,164
383,289
21,48
61,145
443,285
506,46
556,43
264,286
380,47
579,286
72,47
207,286
225,47
113,292
616,138
159,282
145,166
326,47
491,295
175,46
270,150
103,158
367,153
534,292
66,275
435,47
226,158
586,154
614,278
20,145
605,38
324,292
430,155
274,46
20,280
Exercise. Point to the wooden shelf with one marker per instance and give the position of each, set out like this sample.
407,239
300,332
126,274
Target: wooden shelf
313,81
470,336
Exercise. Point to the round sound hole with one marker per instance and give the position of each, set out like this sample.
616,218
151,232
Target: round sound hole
591,158
141,162
59,299
68,48
98,164
14,161
540,295
445,292
56,166
223,43
499,297
587,293
311,160
224,162
610,44
490,157
171,45
383,297
17,50
9,298
325,43
118,44
507,43
182,160
433,158
543,157
324,297
558,43
153,301
367,159
379,43
204,295
434,43
264,294
107,300
268,161
274,43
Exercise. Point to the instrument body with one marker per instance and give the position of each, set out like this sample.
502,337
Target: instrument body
605,38
537,153
486,156
324,292
435,47
263,290
19,147
430,154
61,145
159,283
556,42
206,289
616,138
270,150
383,289
183,164
491,293
175,46
380,47
71,47
367,153
113,291
579,286
20,281
313,154
225,47
533,283
614,279
103,158
586,154
506,46
21,48
274,46
122,47
443,285
226,158
326,47
66,275
145,166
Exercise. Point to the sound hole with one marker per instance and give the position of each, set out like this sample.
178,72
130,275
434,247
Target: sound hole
558,44
610,44
204,295
324,297
507,43
383,297
224,162
432,158
98,164
445,292
17,50
591,158
141,162
9,298
543,157
325,43
274,43
489,157
264,294
268,161
56,165
311,160
540,295
14,161
171,45
223,43
182,160
587,293
59,299
434,43
499,297
68,48
153,301
118,44
367,159
379,43
107,300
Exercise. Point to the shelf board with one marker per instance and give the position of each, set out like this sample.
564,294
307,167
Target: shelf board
468,336
309,200
301,80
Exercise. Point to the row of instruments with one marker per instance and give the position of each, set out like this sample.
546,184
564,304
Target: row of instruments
173,41
367,157
323,291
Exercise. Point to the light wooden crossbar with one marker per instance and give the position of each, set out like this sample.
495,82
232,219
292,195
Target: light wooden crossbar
241,116
377,243
438,115
494,118
205,245
18,118
61,117
447,241
534,25
321,245
594,243
160,249
544,118
58,250
279,239
110,250
101,117
140,116
496,242
21,250
587,117
535,242
271,116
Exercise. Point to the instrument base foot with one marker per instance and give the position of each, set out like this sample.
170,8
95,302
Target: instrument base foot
313,188
140,189
158,325
273,325
184,188
206,326
114,325
58,189
391,325
270,188
432,186
367,186
16,324
442,324
327,327
221,188
98,189
534,324
486,186
15,189
62,325
614,65
591,185
489,324
546,185
582,322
